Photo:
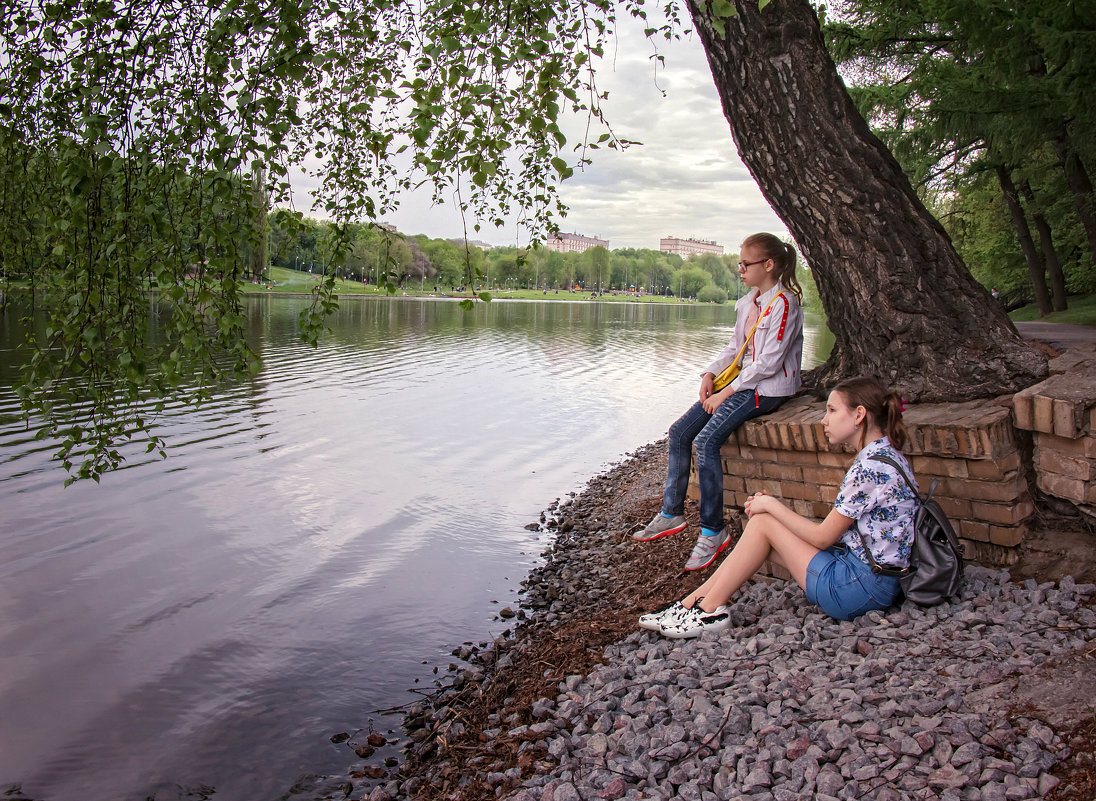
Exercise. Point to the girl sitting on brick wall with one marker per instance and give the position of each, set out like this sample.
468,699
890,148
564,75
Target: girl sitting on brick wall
770,375
874,505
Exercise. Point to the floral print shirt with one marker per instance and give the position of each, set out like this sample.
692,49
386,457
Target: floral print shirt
881,503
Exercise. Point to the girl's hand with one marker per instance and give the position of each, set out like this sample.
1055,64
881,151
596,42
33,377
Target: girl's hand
759,502
706,382
711,403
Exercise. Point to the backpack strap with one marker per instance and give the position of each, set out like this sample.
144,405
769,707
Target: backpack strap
877,568
887,460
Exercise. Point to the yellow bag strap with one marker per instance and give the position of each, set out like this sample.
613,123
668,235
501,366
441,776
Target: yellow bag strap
749,336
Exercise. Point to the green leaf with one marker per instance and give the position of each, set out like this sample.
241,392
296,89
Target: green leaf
723,9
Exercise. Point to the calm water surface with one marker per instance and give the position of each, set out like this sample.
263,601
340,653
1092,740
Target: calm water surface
317,541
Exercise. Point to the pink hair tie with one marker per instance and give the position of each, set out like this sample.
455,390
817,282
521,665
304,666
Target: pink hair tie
902,405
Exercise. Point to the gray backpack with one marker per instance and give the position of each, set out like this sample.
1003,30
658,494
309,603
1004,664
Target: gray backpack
935,573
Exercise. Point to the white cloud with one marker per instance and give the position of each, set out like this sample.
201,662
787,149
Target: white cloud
684,180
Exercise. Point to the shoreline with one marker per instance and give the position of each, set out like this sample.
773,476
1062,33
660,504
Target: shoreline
566,704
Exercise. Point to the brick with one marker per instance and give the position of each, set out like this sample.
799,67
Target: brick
954,508
820,509
1002,514
748,469
734,499
989,444
1079,446
824,475
1071,489
802,491
784,472
1023,410
734,483
809,458
993,468
730,448
769,486
829,495
1044,414
974,530
810,441
1090,493
842,460
1065,418
1006,535
800,507
938,466
693,492
1009,488
784,432
762,454
959,441
1049,461
796,434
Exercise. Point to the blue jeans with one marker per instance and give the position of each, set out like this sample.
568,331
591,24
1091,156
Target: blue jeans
709,431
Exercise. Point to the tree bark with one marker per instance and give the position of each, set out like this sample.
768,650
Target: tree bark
1036,271
1058,297
900,302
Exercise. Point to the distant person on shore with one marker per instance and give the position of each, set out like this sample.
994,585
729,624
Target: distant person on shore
874,509
770,362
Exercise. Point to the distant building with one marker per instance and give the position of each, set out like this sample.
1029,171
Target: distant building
687,247
476,243
573,243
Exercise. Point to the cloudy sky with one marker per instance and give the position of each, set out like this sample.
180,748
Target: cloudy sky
684,180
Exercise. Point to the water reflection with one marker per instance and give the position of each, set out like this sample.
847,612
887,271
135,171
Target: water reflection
316,534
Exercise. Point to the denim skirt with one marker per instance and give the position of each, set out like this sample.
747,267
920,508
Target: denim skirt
844,586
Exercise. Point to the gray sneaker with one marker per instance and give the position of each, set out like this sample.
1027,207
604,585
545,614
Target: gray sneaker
707,549
695,622
660,527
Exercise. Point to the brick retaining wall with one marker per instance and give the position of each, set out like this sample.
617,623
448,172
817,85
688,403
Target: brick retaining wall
971,449
1061,414
986,456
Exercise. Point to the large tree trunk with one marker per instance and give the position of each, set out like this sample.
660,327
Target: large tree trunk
900,302
1036,272
1057,277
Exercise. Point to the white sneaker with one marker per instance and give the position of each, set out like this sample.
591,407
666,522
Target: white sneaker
673,612
696,621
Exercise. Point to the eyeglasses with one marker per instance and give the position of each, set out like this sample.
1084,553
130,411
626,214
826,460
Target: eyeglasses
742,265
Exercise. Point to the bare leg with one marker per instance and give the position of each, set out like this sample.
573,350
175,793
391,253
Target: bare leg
763,538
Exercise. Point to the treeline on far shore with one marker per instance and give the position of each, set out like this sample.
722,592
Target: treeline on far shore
377,255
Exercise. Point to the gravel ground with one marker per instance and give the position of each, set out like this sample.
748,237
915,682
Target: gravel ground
987,698
790,704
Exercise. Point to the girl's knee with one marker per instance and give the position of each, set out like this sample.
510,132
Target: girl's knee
707,447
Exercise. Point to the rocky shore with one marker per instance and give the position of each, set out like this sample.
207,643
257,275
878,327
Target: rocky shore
987,698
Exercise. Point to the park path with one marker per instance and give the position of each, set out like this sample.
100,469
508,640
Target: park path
1060,335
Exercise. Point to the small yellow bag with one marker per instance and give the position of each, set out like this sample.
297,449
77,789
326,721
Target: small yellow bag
731,371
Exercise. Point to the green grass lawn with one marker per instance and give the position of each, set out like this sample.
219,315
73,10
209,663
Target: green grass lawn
1081,311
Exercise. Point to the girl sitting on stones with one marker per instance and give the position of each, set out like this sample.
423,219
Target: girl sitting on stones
874,508
769,376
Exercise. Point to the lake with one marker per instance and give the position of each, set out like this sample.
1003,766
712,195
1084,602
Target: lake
319,539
